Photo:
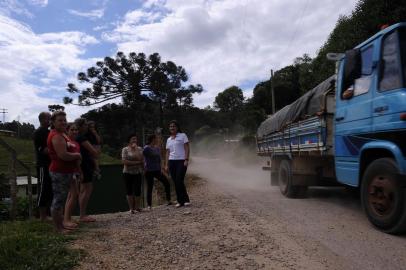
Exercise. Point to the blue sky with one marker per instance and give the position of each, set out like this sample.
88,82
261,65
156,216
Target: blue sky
45,43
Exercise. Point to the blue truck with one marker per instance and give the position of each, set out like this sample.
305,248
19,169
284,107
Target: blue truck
350,129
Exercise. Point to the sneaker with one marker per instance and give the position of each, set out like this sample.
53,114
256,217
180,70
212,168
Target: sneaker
131,211
187,203
169,203
178,205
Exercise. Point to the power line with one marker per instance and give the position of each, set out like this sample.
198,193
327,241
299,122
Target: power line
4,111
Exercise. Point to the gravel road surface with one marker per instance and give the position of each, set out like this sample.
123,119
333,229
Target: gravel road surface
237,221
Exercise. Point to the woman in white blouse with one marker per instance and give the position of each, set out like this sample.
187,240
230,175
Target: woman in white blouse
177,160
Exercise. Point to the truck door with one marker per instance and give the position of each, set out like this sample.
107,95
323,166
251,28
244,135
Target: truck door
353,117
390,99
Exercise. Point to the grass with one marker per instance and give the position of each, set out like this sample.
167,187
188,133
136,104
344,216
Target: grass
33,245
25,153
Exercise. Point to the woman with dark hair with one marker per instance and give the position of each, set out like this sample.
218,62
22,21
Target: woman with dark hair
133,161
89,153
152,155
95,141
177,160
72,131
64,158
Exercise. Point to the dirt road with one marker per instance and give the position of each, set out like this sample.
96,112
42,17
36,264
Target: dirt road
237,221
329,224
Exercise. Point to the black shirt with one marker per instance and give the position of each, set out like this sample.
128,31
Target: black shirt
40,143
92,138
87,159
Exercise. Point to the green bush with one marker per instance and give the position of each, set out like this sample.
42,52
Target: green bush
33,245
22,209
4,211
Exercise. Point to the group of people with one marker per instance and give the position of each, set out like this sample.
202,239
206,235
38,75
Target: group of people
67,164
138,161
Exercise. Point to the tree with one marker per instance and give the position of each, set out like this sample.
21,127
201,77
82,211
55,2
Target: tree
286,86
23,130
230,100
252,116
262,97
55,107
365,20
306,75
128,77
123,77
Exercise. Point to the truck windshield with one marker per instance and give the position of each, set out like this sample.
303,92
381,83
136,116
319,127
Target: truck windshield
393,62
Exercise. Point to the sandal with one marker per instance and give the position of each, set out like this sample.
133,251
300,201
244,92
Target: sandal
87,219
70,225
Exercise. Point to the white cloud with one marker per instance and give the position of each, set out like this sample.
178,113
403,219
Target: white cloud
35,68
66,38
92,14
223,43
41,3
8,7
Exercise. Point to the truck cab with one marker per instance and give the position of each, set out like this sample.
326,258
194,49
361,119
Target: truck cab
370,125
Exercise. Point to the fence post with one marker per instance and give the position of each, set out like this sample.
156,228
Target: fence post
13,187
29,182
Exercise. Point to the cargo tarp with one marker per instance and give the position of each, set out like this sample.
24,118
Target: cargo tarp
307,105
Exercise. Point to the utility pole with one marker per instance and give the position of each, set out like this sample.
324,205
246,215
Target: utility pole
272,93
18,128
4,111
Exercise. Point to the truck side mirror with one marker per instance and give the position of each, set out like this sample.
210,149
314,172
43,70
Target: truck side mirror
352,67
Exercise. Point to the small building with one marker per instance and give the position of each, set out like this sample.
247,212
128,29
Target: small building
7,133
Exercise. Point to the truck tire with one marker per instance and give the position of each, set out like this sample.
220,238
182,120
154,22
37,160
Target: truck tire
383,197
285,180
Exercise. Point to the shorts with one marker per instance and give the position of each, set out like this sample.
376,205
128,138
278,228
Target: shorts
44,198
133,184
60,187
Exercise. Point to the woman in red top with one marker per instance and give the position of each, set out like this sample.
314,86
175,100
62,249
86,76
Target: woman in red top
72,131
63,165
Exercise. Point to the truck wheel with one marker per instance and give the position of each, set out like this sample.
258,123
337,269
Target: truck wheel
383,198
285,179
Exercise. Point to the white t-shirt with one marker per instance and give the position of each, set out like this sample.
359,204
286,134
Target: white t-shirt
176,146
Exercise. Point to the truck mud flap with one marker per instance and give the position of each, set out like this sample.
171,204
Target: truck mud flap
314,180
274,178
304,180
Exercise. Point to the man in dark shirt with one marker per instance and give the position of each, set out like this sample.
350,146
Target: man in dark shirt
44,198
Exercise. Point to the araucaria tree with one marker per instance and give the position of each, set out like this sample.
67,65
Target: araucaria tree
134,78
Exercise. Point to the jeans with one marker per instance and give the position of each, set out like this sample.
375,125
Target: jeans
150,182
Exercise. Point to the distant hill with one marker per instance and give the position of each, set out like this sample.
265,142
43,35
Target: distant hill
25,150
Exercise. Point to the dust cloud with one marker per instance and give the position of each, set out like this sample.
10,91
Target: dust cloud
231,166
